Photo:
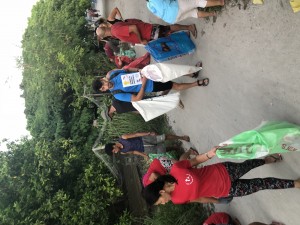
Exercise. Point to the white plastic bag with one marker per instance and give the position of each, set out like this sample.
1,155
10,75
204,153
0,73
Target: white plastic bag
164,72
153,107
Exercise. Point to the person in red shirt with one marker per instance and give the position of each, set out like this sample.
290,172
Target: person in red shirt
221,218
163,165
186,184
141,32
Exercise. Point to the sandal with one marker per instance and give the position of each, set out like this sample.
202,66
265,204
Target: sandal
180,104
194,31
196,74
199,64
194,151
186,138
204,82
275,157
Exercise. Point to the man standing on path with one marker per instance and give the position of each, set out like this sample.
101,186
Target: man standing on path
135,92
137,31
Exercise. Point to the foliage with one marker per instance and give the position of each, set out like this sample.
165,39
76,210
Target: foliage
54,177
189,214
49,183
125,219
131,123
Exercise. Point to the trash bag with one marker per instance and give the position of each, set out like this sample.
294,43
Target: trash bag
269,138
164,72
161,104
170,47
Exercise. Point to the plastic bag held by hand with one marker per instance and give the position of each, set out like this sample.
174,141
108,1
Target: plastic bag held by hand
268,138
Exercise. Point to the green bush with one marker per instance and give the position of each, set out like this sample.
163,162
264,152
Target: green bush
188,214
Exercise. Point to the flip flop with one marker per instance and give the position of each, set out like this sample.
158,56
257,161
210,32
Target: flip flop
180,104
196,74
186,138
194,151
276,223
194,33
199,64
204,82
277,157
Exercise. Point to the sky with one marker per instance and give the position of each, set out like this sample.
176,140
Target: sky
13,22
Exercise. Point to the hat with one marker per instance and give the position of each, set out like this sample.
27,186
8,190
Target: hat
104,114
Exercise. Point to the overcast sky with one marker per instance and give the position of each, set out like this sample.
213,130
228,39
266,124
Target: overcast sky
13,21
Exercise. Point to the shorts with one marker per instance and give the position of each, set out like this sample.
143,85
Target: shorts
123,107
188,8
154,144
159,86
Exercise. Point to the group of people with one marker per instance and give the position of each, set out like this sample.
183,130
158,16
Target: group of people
168,179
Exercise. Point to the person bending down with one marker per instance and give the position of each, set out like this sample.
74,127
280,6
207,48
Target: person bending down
186,184
177,10
162,165
136,92
136,31
142,144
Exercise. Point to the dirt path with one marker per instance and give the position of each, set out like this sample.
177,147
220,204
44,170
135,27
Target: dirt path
252,59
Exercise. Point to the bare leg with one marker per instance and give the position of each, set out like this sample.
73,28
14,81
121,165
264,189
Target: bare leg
297,183
202,14
258,223
183,86
211,3
111,111
175,137
178,27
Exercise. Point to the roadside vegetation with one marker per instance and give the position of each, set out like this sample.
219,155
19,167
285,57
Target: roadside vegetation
53,177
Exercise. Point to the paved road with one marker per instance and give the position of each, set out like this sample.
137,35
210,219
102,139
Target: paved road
252,59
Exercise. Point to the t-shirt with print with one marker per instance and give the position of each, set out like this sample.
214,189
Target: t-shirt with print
193,183
161,165
120,30
218,218
126,92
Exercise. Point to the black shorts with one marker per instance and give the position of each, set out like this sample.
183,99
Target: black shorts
123,107
159,86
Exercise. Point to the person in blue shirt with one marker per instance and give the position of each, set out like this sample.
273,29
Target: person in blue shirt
114,82
172,11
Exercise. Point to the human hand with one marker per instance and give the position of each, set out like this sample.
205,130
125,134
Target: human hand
152,133
212,152
144,42
144,80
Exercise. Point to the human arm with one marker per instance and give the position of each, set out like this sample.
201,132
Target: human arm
205,200
141,93
138,134
204,157
115,12
145,156
133,69
134,29
118,62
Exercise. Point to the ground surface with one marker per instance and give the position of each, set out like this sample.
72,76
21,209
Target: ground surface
252,59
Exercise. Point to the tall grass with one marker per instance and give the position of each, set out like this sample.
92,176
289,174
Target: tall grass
188,214
130,123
